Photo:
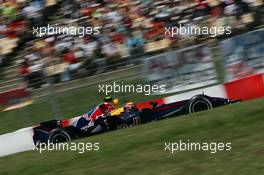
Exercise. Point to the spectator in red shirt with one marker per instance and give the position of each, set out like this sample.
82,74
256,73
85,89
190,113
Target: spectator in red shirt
70,58
74,64
24,71
202,8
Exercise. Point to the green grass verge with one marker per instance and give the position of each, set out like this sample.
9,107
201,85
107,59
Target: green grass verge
140,150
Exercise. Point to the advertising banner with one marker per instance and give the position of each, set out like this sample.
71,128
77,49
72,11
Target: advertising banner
14,99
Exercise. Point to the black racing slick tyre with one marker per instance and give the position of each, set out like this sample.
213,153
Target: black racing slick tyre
199,103
58,136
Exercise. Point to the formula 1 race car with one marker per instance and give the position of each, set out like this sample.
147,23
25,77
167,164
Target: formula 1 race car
56,131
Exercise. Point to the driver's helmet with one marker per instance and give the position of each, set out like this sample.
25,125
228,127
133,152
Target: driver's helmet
130,106
114,102
108,99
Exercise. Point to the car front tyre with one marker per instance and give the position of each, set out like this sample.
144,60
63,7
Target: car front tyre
199,103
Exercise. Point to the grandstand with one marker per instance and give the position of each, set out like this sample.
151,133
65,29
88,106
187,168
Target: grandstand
131,30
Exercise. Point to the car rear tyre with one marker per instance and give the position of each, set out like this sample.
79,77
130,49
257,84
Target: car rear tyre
58,136
199,103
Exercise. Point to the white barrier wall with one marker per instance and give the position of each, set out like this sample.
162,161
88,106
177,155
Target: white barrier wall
214,91
18,141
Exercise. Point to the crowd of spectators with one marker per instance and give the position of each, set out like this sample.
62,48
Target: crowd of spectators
126,29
